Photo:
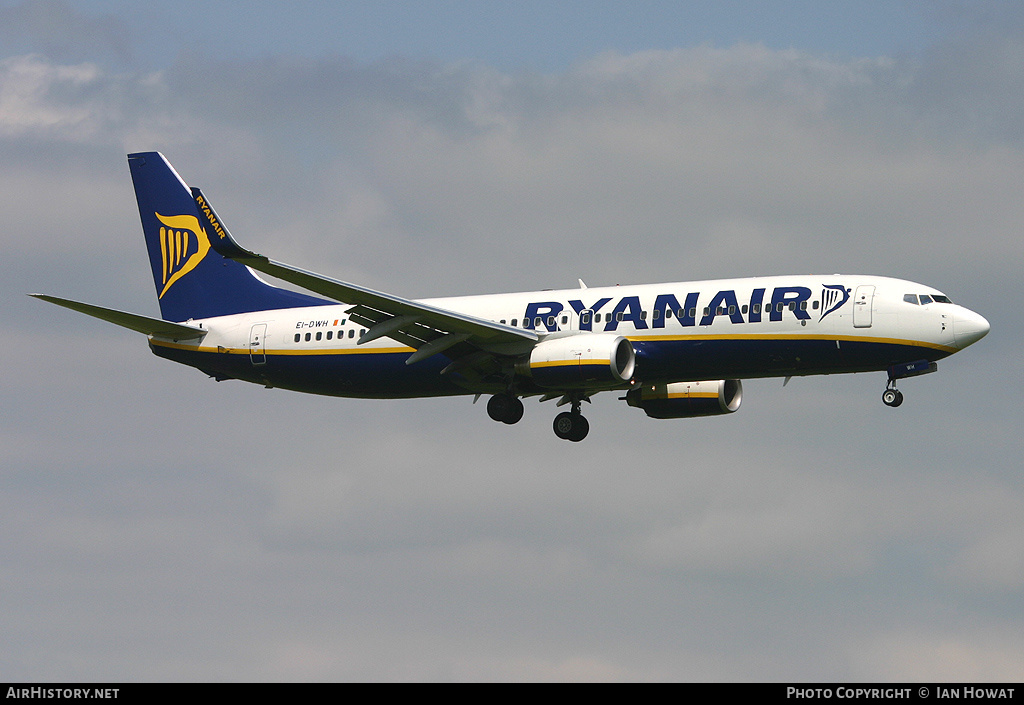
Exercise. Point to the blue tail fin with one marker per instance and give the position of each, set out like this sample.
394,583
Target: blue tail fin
192,280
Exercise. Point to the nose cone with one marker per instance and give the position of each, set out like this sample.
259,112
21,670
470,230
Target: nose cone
968,327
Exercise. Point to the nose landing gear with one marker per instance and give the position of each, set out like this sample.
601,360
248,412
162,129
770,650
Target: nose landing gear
892,396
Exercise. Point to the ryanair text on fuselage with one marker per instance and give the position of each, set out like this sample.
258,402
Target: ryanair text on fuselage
666,307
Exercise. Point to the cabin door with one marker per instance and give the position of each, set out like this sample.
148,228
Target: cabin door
257,347
863,301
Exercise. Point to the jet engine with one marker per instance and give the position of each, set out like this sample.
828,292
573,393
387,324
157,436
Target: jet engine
582,360
681,400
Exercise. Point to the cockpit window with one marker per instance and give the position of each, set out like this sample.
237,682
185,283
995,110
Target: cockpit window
926,299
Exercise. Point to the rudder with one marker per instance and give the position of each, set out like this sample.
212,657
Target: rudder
192,280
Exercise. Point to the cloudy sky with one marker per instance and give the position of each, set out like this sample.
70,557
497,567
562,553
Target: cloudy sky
158,525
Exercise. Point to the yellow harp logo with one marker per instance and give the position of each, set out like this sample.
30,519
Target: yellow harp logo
183,244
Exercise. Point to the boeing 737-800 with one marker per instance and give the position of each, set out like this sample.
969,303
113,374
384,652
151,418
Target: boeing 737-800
674,350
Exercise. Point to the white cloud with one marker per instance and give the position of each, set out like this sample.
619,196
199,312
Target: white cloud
29,102
970,656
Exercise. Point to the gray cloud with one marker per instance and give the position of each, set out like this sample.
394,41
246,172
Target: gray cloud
55,28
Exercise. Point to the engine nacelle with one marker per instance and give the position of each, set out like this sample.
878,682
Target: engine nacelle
583,360
681,400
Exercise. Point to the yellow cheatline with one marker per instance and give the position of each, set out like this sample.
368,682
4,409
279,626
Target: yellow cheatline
792,336
313,351
567,363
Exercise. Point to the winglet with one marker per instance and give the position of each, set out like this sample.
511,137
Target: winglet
221,242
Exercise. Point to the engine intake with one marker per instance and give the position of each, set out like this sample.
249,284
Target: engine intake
581,360
682,400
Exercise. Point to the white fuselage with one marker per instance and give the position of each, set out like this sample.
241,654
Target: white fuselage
731,328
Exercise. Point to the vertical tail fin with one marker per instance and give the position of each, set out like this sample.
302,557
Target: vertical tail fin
192,280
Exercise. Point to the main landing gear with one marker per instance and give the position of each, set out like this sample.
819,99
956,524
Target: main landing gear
505,408
571,426
568,425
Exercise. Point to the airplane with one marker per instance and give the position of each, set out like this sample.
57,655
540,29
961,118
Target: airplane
674,350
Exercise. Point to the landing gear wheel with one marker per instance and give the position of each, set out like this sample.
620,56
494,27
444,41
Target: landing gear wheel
892,397
571,427
505,408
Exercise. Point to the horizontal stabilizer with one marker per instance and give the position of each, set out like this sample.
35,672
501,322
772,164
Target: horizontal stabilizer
132,321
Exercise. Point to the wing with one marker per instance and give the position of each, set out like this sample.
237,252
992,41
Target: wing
428,329
131,321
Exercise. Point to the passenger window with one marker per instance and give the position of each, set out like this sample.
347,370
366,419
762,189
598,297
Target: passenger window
803,305
585,318
744,310
732,310
565,319
319,335
330,334
352,333
815,305
618,316
308,336
643,315
757,308
515,322
656,315
298,337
